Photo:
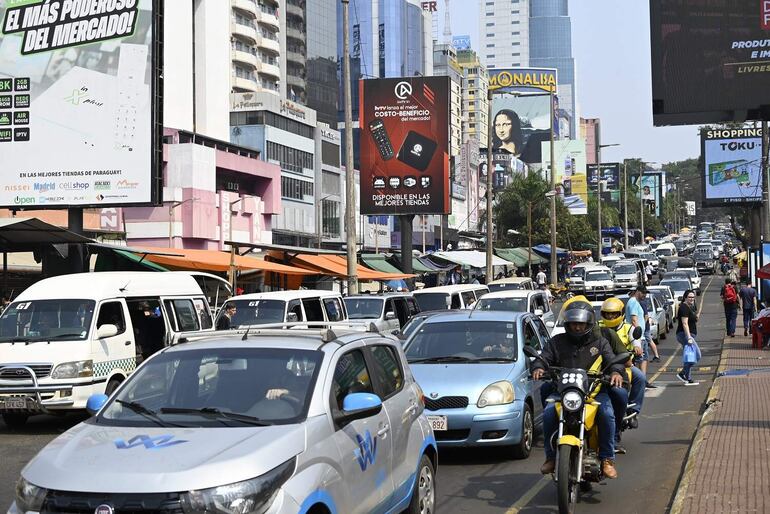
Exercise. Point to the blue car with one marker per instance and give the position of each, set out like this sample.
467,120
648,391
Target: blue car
476,379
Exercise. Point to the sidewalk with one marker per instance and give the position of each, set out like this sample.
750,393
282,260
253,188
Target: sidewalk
728,468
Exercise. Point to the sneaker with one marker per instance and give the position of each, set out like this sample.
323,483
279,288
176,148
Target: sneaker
681,377
608,468
620,449
656,359
548,467
745,332
650,385
691,382
634,422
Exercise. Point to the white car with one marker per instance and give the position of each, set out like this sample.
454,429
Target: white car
535,302
694,278
598,282
626,275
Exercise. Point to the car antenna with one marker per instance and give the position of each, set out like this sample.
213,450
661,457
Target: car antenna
246,334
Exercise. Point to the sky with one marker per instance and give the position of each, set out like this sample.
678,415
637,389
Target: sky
611,48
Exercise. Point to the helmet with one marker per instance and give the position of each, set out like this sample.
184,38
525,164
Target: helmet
579,312
612,312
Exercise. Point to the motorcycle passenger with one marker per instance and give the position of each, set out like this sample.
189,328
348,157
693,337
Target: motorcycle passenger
579,347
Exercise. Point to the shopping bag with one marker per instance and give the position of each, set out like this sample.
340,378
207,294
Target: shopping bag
690,354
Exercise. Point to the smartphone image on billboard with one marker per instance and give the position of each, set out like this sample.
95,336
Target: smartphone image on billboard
381,139
720,172
417,151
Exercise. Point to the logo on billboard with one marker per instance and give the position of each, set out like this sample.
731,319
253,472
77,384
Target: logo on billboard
102,185
75,186
42,187
410,181
403,90
24,200
425,182
126,184
523,80
765,15
430,6
17,187
379,182
394,182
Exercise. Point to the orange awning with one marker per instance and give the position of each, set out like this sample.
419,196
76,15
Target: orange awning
214,260
337,266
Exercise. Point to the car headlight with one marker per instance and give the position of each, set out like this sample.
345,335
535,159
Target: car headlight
253,496
29,497
76,369
572,401
499,393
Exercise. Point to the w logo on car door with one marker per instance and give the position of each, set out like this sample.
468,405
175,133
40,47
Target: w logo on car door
150,443
366,453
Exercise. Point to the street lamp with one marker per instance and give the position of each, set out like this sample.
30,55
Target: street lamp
171,207
599,195
350,197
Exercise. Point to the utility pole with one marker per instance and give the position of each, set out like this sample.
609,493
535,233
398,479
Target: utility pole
641,202
625,203
554,264
350,191
490,170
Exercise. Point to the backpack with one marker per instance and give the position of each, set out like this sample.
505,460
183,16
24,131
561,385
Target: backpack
730,296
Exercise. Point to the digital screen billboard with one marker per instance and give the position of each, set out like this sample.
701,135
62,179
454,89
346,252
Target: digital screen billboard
709,61
610,177
732,166
520,124
79,118
651,190
570,170
404,145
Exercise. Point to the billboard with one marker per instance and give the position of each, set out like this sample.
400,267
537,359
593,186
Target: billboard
520,124
689,208
732,166
709,61
523,80
79,115
651,189
461,42
570,170
610,177
404,145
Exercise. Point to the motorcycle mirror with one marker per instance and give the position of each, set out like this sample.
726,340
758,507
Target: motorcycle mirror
637,333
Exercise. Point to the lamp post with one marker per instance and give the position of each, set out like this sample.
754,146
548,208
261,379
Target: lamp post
350,196
599,196
625,204
171,207
232,246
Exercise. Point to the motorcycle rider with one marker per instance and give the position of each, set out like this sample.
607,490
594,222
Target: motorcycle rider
579,347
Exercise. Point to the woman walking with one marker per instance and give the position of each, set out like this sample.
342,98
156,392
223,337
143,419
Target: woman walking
685,334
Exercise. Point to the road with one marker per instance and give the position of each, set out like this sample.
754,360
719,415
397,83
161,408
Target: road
481,481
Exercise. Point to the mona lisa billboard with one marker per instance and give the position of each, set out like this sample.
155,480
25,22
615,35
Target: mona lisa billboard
520,124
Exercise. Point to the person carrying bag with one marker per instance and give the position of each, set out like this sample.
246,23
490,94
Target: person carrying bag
685,334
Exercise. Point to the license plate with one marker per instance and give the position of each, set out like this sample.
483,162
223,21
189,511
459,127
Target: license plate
438,423
15,403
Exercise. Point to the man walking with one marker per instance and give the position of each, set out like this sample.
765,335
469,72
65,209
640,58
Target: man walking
729,297
748,296
540,277
635,317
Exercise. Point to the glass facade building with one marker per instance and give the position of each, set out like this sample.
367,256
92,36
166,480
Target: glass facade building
322,80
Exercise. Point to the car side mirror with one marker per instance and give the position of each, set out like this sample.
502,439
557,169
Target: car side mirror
538,312
95,403
389,316
637,333
358,406
105,331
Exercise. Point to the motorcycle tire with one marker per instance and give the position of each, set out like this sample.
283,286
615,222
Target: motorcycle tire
568,480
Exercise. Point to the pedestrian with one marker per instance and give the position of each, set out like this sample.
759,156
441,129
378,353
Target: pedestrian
729,297
748,296
226,320
686,331
540,277
454,276
635,317
475,279
4,303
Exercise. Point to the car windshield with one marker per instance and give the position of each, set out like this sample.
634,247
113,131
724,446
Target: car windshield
257,312
463,341
66,320
598,275
665,292
664,252
690,273
502,304
624,269
577,272
432,301
504,287
217,387
676,285
364,308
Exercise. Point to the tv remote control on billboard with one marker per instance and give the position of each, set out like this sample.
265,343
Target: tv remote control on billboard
377,129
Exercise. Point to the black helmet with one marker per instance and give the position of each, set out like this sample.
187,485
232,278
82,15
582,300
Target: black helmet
579,312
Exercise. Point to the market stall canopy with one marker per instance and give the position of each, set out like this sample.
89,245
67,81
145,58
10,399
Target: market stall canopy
764,272
576,253
214,260
545,251
336,266
25,234
471,258
520,256
379,262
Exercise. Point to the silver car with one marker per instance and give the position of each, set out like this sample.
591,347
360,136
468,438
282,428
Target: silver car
277,422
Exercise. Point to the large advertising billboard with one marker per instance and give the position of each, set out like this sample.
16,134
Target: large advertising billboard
732,166
520,124
709,61
570,170
79,118
523,80
651,191
609,175
404,145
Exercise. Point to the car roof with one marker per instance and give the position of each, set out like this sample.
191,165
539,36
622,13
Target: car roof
599,267
511,280
513,293
451,288
287,295
476,315
381,296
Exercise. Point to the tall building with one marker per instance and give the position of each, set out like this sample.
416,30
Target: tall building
550,46
323,83
475,102
295,56
505,32
590,130
255,44
445,65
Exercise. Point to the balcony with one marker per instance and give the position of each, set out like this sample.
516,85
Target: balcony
296,57
269,44
269,69
268,19
295,10
244,58
243,84
296,82
249,6
296,34
244,31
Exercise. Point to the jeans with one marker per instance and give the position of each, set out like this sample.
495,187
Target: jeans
748,315
619,399
638,381
731,315
606,422
686,367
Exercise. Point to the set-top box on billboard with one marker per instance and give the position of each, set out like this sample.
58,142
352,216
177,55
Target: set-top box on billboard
80,120
404,145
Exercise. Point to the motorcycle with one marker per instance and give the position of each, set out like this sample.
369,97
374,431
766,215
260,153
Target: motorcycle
577,441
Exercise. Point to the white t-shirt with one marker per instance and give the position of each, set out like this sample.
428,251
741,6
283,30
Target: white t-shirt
540,277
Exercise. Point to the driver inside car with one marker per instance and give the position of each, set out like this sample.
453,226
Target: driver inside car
578,348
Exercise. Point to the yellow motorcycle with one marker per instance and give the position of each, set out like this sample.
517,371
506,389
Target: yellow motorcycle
577,440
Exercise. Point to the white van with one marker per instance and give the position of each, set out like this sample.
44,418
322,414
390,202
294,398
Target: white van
284,306
458,296
666,250
68,337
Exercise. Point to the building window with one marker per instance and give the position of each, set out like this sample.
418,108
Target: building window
492,24
515,33
514,12
330,218
515,22
330,154
491,57
291,159
515,43
330,183
490,14
515,54
491,45
490,35
472,125
296,189
270,118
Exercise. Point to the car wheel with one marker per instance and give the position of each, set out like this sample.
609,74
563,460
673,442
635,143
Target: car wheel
524,446
424,491
15,419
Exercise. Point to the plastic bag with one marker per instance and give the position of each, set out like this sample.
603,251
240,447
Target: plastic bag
690,353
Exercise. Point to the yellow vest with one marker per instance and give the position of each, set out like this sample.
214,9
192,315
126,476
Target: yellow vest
624,333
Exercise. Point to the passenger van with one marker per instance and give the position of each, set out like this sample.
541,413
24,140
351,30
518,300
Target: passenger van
458,296
68,337
512,284
285,306
388,312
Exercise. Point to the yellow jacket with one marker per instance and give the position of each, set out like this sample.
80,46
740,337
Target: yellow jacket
624,333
